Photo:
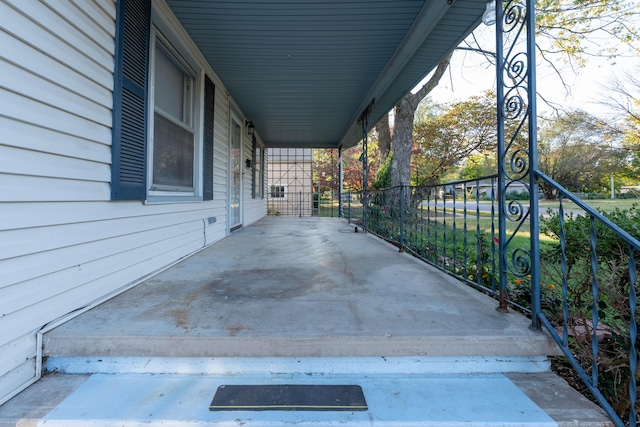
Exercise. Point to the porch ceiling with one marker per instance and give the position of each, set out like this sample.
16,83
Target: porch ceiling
304,70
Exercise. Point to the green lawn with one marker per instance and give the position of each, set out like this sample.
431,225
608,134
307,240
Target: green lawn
328,210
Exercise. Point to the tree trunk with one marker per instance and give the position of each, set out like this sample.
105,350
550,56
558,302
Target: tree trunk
402,140
547,190
384,137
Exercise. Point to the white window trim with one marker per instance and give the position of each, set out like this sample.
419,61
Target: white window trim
158,194
258,171
285,191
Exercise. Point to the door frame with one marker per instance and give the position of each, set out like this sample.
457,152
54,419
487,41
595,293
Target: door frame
234,117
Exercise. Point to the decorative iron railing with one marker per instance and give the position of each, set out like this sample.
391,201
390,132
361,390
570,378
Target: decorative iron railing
589,294
565,288
588,279
351,206
304,203
452,226
517,143
585,297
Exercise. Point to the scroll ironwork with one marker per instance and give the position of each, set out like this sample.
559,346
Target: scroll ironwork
517,143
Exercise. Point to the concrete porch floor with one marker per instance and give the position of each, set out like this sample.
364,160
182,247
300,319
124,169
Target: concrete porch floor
298,287
299,300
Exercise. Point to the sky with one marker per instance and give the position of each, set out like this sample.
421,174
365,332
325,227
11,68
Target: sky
469,74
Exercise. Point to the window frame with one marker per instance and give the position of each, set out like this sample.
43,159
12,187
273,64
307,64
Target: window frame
137,23
285,192
257,170
263,171
193,106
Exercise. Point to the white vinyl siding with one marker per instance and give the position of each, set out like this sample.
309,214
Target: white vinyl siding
55,136
63,243
254,208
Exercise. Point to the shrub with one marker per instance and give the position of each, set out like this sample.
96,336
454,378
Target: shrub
383,178
518,195
612,305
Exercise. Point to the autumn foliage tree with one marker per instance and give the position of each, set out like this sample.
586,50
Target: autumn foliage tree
579,151
624,98
568,32
443,141
325,170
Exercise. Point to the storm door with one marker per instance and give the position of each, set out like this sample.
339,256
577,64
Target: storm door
235,178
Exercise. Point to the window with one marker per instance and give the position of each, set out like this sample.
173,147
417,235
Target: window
278,192
258,177
173,133
257,180
159,148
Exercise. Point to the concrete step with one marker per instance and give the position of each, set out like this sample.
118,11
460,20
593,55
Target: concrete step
316,366
513,399
518,342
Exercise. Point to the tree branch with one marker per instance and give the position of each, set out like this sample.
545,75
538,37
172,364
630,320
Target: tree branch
435,78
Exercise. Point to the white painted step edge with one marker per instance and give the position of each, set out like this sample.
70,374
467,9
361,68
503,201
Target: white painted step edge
294,365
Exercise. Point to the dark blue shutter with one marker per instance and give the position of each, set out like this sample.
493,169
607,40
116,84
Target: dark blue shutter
129,145
254,149
209,101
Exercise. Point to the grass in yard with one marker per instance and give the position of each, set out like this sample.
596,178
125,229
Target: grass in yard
520,240
328,210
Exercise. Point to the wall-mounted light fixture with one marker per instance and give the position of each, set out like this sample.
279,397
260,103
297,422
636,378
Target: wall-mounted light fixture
250,127
489,15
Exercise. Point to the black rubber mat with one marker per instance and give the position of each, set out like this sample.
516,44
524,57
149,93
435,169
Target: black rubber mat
289,398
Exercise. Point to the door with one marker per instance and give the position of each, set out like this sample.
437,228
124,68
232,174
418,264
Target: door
235,178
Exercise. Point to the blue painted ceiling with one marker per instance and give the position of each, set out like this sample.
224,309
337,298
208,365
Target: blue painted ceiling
304,70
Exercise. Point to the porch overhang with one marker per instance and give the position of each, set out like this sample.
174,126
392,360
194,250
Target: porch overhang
303,71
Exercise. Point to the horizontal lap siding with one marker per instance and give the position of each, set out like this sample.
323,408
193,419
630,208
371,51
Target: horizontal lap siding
63,243
218,207
58,292
20,262
220,152
17,362
55,137
254,208
18,376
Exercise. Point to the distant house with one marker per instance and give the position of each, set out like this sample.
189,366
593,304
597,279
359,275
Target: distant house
629,189
290,182
487,188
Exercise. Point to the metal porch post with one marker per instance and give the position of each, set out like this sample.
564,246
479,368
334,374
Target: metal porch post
534,220
517,162
502,255
364,121
365,174
340,213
